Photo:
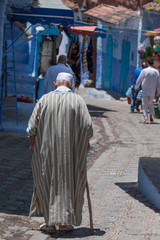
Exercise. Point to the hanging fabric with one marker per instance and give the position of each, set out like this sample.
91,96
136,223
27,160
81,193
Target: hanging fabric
74,59
84,56
90,57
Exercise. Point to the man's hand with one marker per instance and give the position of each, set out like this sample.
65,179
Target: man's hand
32,142
88,144
31,148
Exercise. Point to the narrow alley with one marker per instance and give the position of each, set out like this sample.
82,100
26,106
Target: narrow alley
120,212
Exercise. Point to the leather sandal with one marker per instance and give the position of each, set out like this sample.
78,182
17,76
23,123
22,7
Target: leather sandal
66,227
49,229
146,122
151,119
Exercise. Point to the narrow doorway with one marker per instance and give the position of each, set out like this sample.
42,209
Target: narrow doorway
108,64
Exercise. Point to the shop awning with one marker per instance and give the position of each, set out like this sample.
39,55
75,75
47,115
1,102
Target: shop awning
87,30
50,11
153,33
157,30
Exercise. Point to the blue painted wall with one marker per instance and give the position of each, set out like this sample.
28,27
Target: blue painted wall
26,62
130,30
150,20
108,64
118,36
115,75
115,81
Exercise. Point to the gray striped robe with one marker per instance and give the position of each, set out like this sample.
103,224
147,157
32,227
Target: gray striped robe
62,126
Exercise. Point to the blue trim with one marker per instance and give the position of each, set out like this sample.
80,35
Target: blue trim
40,87
41,15
108,63
125,62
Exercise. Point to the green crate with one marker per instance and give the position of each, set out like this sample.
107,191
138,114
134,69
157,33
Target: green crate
156,111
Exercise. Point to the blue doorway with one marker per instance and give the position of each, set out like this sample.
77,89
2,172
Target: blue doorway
125,57
108,64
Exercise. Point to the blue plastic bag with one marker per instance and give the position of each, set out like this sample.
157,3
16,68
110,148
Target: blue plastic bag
129,92
139,95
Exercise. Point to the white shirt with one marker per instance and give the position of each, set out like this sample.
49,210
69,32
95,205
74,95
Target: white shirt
51,75
149,80
62,89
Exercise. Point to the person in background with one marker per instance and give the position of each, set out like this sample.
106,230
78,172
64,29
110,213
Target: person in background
149,81
134,78
52,72
60,128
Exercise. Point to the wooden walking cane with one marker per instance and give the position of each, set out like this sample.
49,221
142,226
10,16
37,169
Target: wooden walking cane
89,205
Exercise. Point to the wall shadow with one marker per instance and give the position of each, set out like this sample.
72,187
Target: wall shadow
116,95
16,200
16,182
98,111
131,188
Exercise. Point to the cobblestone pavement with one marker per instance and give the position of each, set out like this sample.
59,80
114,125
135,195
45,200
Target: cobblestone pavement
120,212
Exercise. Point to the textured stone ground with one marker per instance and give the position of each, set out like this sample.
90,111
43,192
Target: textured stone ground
120,212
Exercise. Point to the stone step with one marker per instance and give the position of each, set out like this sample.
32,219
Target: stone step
19,57
25,85
21,78
19,45
20,67
22,89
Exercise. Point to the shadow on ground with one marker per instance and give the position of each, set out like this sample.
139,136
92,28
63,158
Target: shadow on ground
98,111
16,183
132,189
78,233
116,95
153,123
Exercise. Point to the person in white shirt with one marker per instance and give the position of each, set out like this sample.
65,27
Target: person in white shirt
149,81
52,72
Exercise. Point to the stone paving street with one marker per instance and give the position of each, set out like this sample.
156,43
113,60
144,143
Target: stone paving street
120,212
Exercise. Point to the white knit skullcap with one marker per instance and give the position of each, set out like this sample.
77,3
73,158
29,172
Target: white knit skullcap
65,77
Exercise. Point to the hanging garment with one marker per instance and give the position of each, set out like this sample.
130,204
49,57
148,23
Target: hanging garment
90,57
84,57
74,59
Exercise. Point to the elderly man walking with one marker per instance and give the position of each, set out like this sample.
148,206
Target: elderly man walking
60,128
149,81
52,72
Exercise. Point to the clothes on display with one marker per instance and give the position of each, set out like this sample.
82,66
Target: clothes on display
74,59
90,57
84,56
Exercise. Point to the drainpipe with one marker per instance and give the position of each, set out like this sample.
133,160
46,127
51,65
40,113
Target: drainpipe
139,34
3,4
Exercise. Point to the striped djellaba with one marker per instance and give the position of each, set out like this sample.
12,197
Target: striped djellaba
62,127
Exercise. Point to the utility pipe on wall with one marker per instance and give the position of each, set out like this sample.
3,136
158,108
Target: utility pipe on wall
3,4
